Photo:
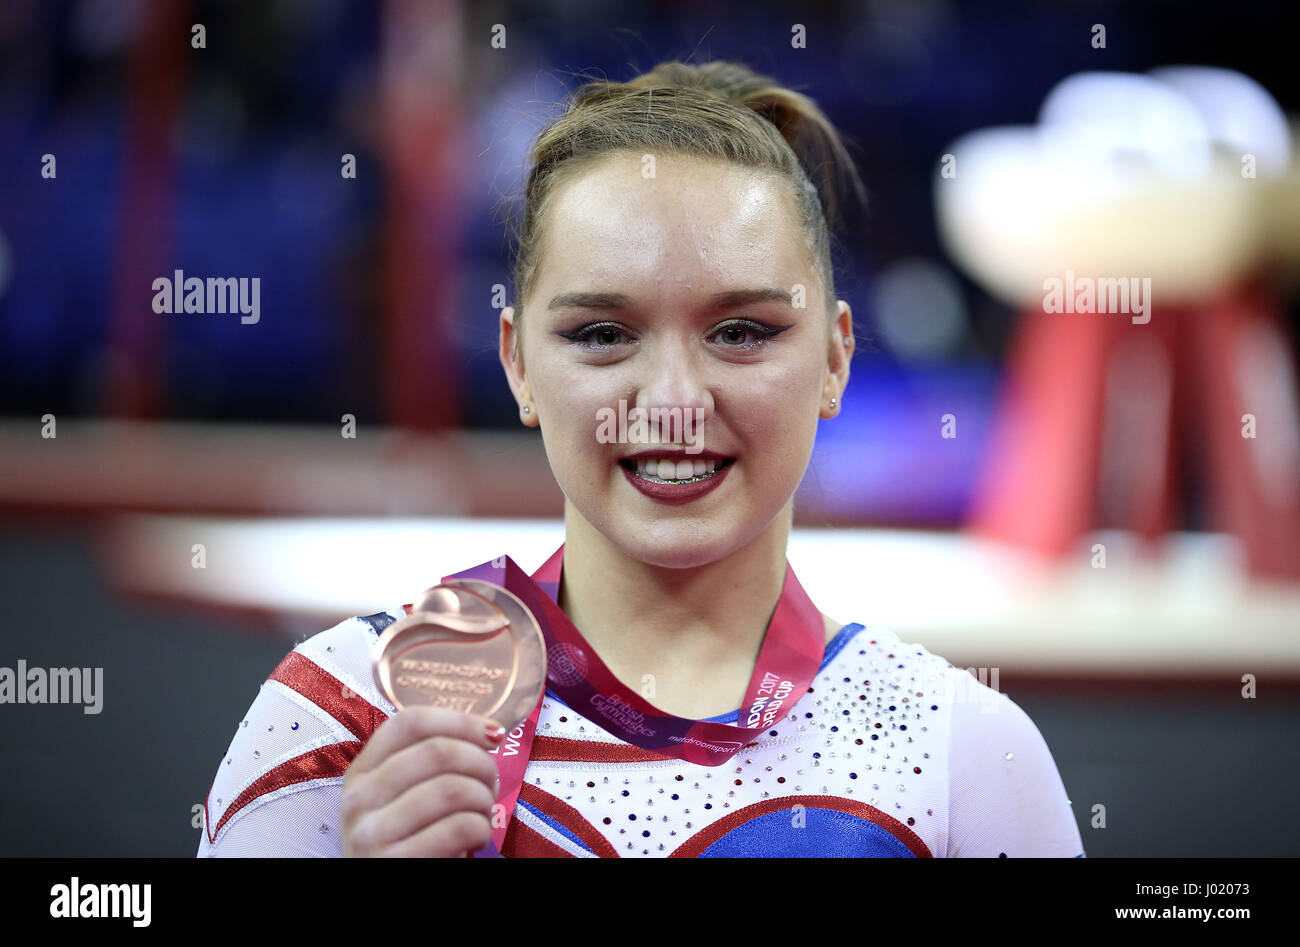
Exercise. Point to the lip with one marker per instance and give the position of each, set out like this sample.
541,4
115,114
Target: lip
677,454
675,493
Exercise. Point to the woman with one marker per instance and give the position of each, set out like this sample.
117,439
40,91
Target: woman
674,256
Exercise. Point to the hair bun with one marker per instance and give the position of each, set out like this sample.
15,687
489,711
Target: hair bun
737,84
812,137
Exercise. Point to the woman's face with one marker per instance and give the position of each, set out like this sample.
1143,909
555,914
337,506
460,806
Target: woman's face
647,260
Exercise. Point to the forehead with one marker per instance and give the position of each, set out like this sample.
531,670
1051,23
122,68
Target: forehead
696,219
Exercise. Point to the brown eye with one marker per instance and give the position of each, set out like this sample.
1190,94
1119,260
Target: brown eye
599,336
735,335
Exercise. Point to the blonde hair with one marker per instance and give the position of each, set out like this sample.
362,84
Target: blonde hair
717,110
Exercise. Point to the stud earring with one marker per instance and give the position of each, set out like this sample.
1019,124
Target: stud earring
527,409
834,402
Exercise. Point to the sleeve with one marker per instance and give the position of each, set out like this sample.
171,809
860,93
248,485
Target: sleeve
1005,795
278,788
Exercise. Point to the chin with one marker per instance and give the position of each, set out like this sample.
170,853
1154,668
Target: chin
683,555
682,544
668,543
673,537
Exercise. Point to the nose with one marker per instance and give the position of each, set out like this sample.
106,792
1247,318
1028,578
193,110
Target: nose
675,396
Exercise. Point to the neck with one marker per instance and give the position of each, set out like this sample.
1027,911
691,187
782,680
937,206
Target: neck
697,630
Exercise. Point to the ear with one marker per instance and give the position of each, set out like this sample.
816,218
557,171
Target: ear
837,360
514,367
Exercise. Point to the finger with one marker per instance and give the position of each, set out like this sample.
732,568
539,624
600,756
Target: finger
413,724
462,832
418,764
422,806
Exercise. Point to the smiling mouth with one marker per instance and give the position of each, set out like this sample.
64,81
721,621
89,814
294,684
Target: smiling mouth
655,470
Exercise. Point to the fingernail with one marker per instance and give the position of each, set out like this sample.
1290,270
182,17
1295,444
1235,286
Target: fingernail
495,733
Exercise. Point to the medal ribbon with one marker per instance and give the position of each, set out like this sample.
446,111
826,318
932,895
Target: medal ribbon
788,661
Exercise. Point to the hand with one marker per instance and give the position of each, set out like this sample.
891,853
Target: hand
422,787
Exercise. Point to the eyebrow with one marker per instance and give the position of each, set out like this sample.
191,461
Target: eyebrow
725,300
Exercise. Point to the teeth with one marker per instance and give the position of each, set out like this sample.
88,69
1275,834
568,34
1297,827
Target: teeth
675,471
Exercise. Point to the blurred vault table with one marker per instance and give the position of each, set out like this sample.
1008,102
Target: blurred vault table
1192,615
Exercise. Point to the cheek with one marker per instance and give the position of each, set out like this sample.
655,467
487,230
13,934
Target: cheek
783,399
560,391
569,406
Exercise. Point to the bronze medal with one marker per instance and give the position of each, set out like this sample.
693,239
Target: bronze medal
468,645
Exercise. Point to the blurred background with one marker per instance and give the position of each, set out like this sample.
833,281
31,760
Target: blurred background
1102,512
